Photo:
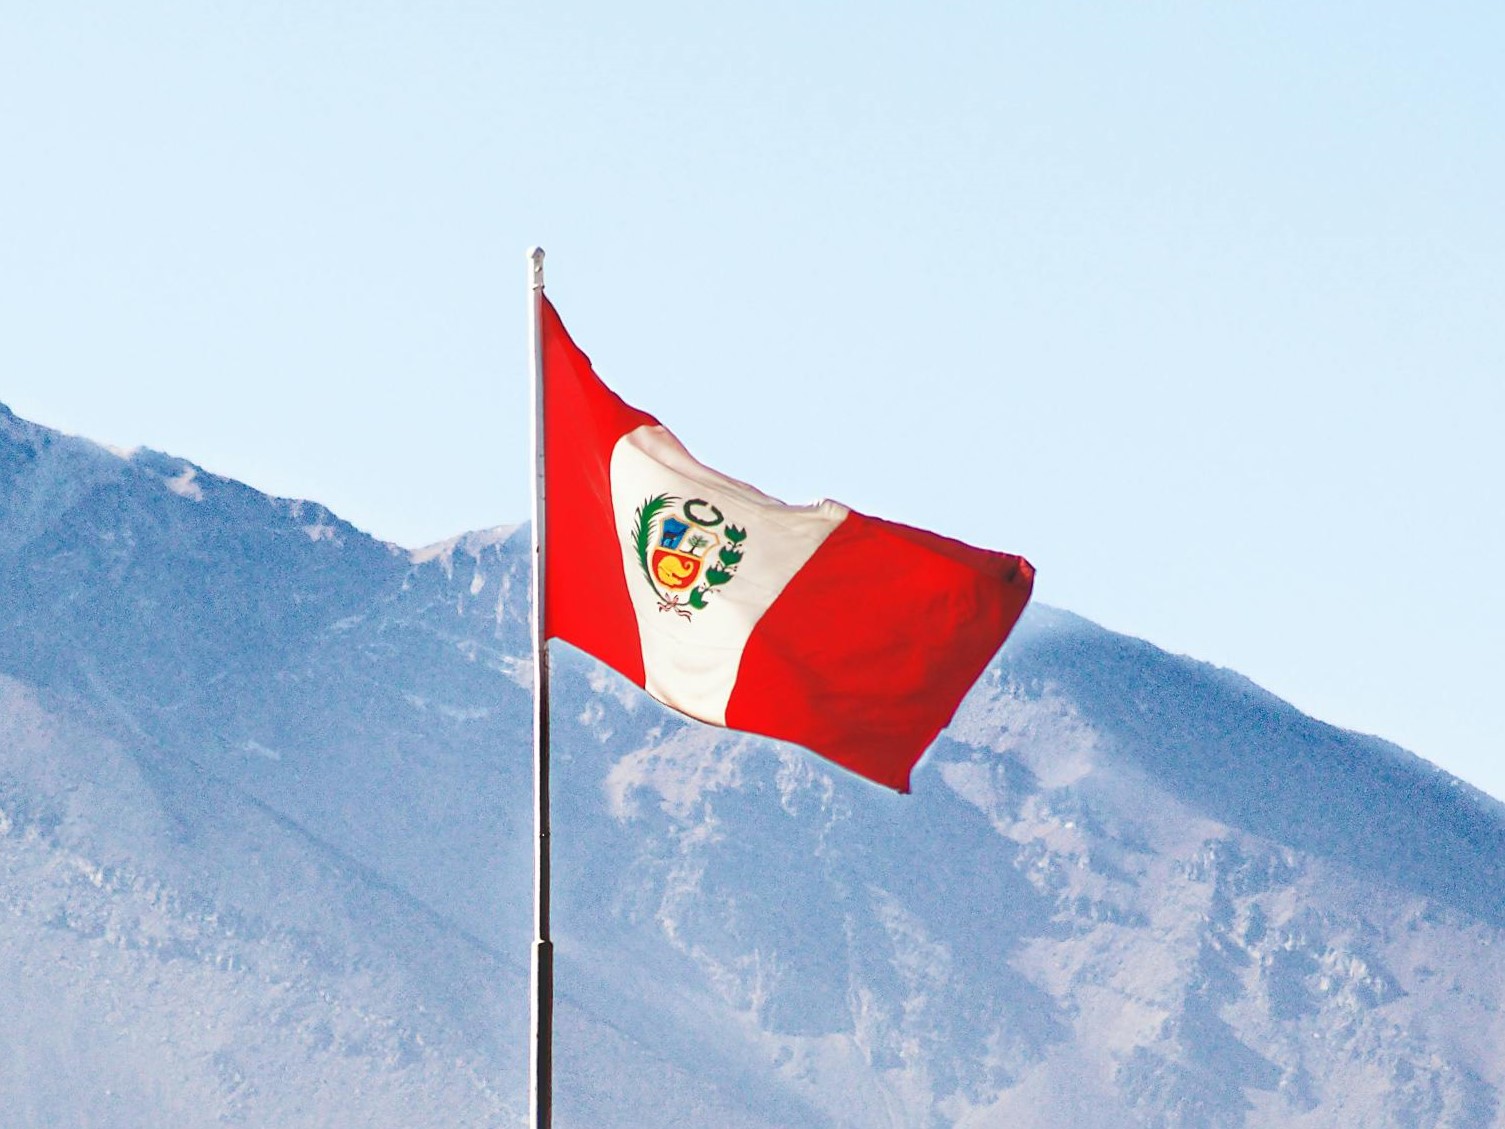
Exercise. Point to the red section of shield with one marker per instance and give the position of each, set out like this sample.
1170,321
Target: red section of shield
673,570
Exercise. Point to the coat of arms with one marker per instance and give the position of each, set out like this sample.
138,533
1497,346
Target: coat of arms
685,550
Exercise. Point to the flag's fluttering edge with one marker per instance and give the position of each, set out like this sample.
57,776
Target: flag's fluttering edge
852,636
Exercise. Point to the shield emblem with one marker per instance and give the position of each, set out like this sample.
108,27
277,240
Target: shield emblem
686,551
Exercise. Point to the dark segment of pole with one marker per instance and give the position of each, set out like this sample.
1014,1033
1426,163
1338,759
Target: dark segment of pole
541,1091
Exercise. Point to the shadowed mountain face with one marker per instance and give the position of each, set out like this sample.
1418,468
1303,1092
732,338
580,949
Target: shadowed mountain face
265,840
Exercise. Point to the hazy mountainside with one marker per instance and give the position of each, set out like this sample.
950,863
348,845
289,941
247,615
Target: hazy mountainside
265,842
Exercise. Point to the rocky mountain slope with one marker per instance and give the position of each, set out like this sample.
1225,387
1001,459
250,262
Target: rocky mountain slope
264,835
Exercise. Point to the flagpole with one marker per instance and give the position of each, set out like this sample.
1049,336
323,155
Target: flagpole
541,1091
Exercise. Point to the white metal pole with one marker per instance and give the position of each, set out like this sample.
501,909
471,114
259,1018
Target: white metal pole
541,1092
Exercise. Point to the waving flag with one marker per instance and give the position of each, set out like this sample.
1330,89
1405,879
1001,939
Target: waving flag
852,636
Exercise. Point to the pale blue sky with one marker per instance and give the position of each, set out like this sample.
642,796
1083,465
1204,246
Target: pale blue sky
1196,305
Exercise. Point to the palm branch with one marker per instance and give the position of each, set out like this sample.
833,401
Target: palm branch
642,531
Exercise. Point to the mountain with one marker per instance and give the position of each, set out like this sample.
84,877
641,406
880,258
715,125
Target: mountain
265,833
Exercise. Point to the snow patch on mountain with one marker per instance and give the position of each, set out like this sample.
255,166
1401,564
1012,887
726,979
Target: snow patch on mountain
184,485
473,545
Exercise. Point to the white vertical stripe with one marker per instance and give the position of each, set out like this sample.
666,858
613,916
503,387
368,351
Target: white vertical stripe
690,655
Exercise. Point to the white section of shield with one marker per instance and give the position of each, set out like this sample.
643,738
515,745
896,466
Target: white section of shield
690,662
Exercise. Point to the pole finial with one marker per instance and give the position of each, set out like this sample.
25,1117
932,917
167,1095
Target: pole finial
535,271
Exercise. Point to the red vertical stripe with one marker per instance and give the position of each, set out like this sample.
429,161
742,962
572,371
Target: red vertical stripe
586,600
867,653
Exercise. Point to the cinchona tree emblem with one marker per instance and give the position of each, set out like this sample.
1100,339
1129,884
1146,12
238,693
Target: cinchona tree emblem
686,551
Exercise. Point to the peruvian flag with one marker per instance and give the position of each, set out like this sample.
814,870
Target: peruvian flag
852,636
